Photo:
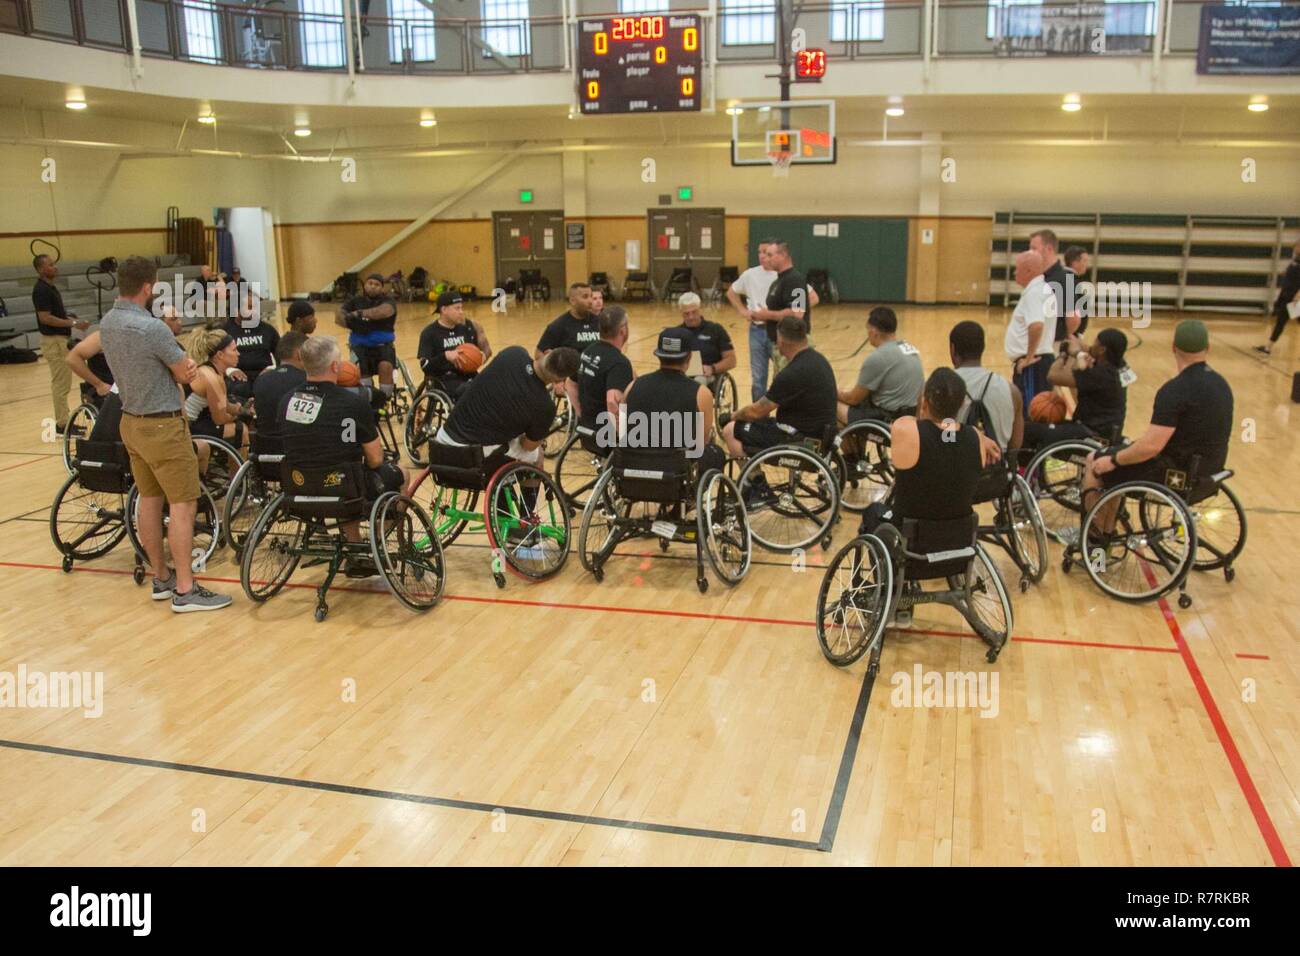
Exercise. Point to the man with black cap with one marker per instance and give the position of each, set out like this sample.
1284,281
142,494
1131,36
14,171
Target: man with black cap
440,343
369,317
1192,417
1100,377
302,316
576,328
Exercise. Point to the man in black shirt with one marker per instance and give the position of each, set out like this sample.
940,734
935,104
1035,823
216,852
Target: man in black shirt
575,329
1286,294
55,324
1078,261
789,295
441,340
802,395
1192,417
270,389
302,316
604,375
508,408
717,354
257,341
369,317
1045,243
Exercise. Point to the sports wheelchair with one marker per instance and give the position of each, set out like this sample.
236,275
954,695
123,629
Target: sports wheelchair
306,520
562,427
876,579
655,493
1161,533
429,412
792,493
88,518
525,514
726,397
867,472
579,465
80,424
1017,526
252,488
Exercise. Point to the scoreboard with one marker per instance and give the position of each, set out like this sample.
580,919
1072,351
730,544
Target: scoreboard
640,64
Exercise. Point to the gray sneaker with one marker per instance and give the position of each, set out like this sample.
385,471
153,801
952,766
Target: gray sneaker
199,598
162,590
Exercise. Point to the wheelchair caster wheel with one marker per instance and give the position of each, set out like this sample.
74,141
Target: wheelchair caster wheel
991,656
321,611
138,575
67,564
703,585
500,579
1184,601
663,544
1067,564
1024,585
1229,574
598,574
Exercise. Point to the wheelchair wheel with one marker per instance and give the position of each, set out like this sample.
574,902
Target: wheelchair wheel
599,522
219,462
868,472
726,399
853,601
80,423
272,551
207,529
527,520
985,602
1055,477
576,471
86,524
245,498
427,415
1151,548
1220,530
561,428
441,504
722,527
792,498
406,551
1025,531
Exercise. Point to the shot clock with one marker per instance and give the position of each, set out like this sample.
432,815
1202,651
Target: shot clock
640,64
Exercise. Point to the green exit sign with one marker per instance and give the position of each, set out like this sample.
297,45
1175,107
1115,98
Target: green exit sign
525,195
685,193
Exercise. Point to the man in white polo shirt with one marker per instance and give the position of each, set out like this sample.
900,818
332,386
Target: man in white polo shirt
1029,335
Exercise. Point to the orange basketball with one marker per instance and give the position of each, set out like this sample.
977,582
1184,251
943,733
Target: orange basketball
1048,408
469,358
349,375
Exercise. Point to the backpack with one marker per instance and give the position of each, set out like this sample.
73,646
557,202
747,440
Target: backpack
9,355
978,414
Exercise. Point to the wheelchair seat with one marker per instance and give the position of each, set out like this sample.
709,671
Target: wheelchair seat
333,493
939,548
1207,487
660,475
995,481
267,453
458,466
103,466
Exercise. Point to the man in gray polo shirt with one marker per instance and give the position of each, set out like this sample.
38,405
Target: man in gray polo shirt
891,378
147,365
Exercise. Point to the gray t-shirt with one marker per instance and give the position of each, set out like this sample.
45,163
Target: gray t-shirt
997,399
139,348
893,375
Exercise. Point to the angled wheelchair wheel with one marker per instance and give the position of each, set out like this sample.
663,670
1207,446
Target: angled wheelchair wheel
1055,477
722,527
271,551
985,603
406,551
80,423
726,397
792,498
447,508
1150,548
576,471
207,529
853,600
87,524
1025,531
527,520
562,427
219,462
245,498
427,415
1220,530
599,523
868,472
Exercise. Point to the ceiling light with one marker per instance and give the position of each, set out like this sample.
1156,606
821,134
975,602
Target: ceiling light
1258,104
894,111
75,104
734,111
1071,107
302,131
426,123
207,119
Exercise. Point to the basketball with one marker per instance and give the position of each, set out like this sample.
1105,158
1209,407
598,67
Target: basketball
469,358
349,375
1048,408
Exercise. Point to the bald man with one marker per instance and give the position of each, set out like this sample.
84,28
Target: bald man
1028,342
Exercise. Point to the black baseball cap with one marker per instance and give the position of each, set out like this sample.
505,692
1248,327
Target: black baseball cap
674,344
376,276
300,309
449,297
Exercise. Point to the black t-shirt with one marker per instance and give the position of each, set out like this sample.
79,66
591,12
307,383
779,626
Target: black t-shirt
789,290
1103,400
1197,404
711,341
316,421
437,339
361,302
47,298
603,367
505,400
804,392
98,365
268,394
1055,279
570,332
256,344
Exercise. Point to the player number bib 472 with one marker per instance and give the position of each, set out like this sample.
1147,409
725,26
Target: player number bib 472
303,408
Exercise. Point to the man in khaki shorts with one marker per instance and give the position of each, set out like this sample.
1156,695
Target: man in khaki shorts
147,365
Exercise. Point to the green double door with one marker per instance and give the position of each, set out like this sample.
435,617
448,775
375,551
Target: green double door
867,258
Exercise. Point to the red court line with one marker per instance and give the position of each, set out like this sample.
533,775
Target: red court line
1244,780
21,463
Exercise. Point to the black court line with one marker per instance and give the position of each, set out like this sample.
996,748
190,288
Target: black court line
26,515
825,844
33,454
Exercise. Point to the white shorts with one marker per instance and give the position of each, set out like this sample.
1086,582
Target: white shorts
513,450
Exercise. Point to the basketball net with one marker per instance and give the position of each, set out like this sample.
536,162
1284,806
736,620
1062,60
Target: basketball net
780,160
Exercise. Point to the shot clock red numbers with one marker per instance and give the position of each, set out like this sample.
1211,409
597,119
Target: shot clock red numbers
810,65
637,64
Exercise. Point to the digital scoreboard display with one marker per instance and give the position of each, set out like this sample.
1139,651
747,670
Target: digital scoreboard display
640,64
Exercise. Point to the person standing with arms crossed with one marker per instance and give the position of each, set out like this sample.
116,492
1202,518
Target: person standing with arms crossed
147,365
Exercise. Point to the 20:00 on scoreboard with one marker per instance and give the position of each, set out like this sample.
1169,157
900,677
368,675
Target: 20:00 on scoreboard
639,64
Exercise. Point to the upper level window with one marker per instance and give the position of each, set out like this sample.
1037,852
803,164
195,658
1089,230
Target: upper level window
1024,18
858,21
411,32
322,33
642,6
201,33
507,33
746,22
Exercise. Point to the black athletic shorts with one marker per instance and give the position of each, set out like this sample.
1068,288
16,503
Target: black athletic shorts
369,357
755,436
1159,470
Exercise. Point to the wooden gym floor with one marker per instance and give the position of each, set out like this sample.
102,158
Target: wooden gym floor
639,722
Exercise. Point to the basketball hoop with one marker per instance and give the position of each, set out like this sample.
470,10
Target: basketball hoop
780,160
782,145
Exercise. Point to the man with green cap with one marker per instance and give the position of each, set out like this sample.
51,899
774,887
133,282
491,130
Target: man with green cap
1192,417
